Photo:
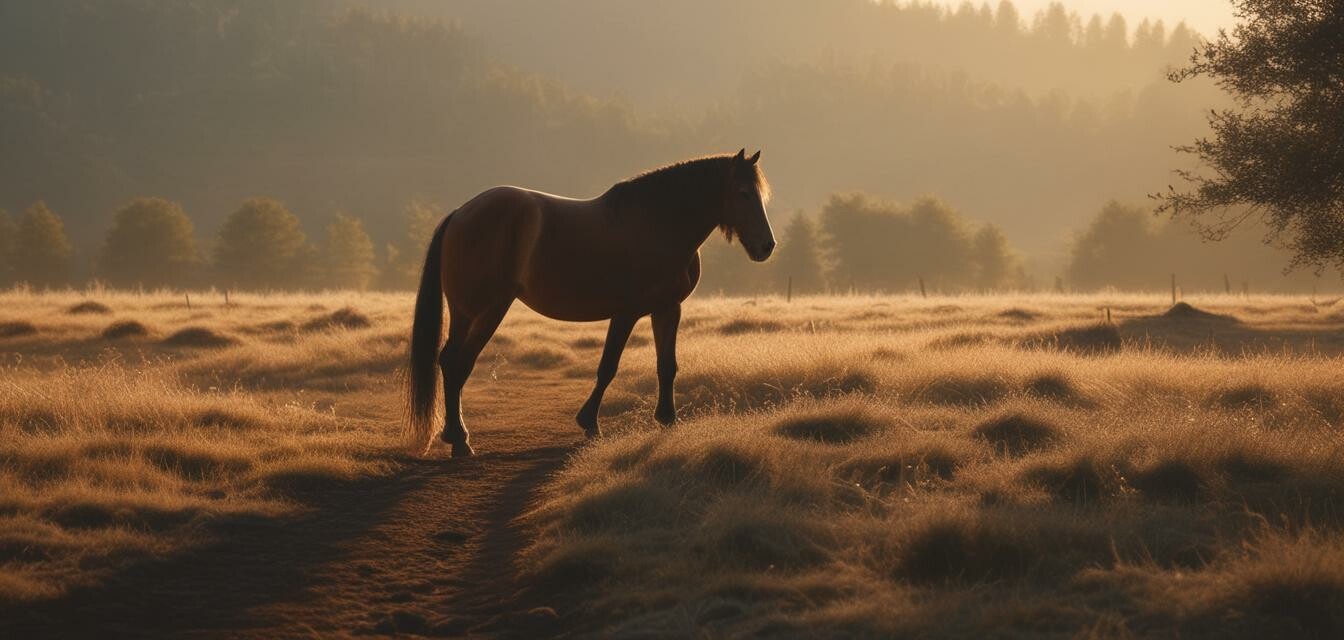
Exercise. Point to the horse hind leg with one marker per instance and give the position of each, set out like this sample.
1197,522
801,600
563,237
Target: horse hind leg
454,431
466,338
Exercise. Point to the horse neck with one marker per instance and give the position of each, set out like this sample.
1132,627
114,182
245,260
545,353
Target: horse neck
683,228
677,228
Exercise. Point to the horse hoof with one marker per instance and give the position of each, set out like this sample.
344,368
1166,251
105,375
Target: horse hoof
665,419
462,450
588,423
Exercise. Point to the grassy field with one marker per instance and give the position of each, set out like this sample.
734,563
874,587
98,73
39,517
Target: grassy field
846,466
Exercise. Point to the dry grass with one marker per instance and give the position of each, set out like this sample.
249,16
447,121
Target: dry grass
116,449
879,475
857,466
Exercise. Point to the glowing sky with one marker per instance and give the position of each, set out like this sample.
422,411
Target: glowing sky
1205,16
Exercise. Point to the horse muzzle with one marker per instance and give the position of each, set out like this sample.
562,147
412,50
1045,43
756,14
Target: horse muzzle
759,251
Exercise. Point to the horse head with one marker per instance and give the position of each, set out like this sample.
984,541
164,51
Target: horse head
744,215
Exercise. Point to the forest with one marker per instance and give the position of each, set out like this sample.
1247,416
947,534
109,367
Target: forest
360,119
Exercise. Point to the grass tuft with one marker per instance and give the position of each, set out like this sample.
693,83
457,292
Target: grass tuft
199,337
839,425
958,547
88,307
746,533
1056,387
123,329
341,319
963,390
1018,315
1170,481
1243,397
627,505
1244,466
17,328
1083,479
1092,339
1017,434
739,326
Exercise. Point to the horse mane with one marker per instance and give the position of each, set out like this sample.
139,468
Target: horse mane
684,184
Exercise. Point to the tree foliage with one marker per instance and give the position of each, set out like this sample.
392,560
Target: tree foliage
152,244
798,259
997,266
1280,155
262,247
880,246
1125,247
349,256
41,252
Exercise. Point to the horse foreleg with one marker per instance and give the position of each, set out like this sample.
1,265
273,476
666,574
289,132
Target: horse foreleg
665,325
457,360
618,332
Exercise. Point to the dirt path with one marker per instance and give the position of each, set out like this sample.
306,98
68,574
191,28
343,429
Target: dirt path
429,551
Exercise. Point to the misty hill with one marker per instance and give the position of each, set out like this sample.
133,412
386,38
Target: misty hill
1029,124
691,53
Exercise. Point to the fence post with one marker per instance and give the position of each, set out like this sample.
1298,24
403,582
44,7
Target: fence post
788,296
188,301
1173,289
226,299
1227,284
922,291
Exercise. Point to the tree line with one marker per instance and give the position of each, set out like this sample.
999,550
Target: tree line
856,242
152,244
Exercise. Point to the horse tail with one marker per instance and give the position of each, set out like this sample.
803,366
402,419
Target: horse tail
426,340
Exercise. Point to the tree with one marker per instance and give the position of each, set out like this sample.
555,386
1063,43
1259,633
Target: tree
1126,247
879,246
996,267
798,257
1103,254
42,252
7,231
349,255
1280,156
938,245
261,247
1055,25
1007,19
152,244
1117,33
402,266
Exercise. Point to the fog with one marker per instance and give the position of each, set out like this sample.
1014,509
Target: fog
1028,119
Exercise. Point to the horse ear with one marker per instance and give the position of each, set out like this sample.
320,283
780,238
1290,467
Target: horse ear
754,158
741,155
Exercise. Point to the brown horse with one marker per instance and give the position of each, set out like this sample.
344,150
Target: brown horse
629,253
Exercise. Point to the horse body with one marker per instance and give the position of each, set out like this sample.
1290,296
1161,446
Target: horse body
567,259
629,253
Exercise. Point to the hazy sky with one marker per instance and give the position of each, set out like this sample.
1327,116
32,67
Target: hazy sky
1204,16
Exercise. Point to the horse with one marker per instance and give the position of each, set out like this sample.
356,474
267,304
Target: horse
631,252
